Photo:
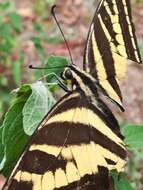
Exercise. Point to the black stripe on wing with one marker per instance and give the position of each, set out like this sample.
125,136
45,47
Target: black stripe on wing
128,31
79,134
111,41
86,183
106,115
108,61
65,153
39,162
22,185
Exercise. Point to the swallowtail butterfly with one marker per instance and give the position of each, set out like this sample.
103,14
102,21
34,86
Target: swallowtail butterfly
79,141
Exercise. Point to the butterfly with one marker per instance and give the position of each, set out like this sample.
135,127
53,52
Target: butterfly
79,141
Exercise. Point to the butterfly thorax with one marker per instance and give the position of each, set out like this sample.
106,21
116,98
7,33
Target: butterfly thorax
88,89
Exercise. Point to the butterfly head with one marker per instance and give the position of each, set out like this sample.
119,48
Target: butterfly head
72,73
80,80
67,73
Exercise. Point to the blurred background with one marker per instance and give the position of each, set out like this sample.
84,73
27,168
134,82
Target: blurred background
28,34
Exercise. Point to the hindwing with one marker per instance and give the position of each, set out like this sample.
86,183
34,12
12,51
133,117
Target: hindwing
74,147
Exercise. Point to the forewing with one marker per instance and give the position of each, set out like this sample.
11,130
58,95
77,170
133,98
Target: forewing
73,148
111,41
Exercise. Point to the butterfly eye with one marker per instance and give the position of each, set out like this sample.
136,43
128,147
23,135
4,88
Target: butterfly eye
67,74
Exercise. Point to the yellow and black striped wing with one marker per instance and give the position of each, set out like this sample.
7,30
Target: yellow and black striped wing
111,41
74,148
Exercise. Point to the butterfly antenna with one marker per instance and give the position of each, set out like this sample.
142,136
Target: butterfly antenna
55,18
38,68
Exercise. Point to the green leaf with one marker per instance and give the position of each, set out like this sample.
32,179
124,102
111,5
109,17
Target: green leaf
4,6
38,28
36,107
13,136
1,145
133,136
50,2
6,38
3,80
38,46
5,30
31,104
121,182
53,39
37,42
16,70
140,43
15,21
40,6
58,63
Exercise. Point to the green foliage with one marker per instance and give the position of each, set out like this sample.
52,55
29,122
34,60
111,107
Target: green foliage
12,55
50,2
40,6
140,42
12,131
10,26
29,107
134,141
15,21
133,137
56,65
37,105
16,70
10,59
41,38
1,146
138,1
121,182
31,104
